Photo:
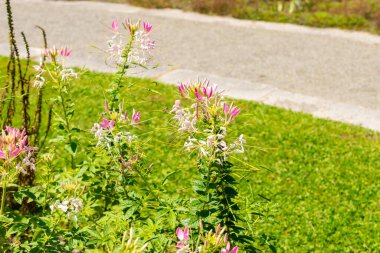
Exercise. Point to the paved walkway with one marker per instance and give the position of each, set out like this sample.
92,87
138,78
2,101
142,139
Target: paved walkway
328,73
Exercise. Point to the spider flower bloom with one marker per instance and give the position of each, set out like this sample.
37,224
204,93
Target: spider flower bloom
182,235
13,143
107,124
51,53
115,25
227,249
147,27
231,110
208,91
182,89
135,117
65,52
131,27
198,95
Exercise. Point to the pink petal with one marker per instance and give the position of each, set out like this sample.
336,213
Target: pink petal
65,52
147,26
179,233
234,112
186,234
115,25
15,152
198,95
226,108
228,246
104,123
135,116
235,250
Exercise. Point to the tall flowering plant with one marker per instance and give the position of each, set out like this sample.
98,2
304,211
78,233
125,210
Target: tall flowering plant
121,149
15,157
55,74
129,48
204,120
115,138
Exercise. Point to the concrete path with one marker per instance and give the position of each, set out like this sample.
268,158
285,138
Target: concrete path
328,73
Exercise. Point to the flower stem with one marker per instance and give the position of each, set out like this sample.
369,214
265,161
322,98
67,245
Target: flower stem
67,122
122,71
4,185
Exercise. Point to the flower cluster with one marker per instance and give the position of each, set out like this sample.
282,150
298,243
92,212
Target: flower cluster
59,71
73,204
212,242
114,137
135,49
69,207
206,119
14,144
104,131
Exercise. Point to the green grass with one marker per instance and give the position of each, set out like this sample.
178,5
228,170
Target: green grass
321,176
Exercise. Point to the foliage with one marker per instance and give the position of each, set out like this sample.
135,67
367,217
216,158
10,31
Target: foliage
324,178
93,186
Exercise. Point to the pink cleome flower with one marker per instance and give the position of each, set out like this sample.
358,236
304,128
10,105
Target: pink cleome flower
147,26
135,116
200,90
107,123
13,143
231,111
65,52
227,249
183,237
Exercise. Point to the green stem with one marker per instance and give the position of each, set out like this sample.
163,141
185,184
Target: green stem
47,185
148,185
52,231
4,184
67,122
122,71
207,188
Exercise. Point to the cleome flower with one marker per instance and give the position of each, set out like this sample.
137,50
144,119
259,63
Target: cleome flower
206,120
70,207
57,70
132,49
114,137
212,242
14,145
183,237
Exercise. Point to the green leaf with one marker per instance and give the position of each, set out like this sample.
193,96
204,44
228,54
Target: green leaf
20,195
5,219
167,177
172,219
72,147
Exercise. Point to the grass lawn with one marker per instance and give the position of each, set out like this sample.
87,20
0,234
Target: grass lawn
321,177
